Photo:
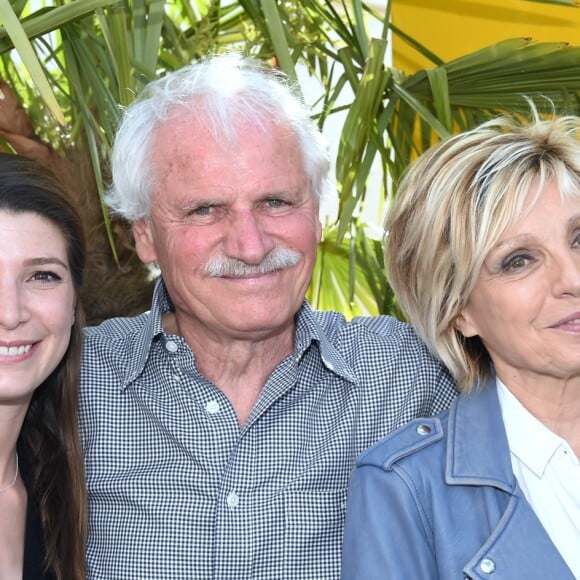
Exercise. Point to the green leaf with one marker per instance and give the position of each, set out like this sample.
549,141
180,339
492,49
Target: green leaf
50,19
334,273
278,37
358,128
18,36
440,90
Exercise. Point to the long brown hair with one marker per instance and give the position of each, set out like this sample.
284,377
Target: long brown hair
49,439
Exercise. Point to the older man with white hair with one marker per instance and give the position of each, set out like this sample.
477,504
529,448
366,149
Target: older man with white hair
221,427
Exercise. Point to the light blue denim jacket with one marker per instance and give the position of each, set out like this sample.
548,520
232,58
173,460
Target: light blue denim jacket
438,499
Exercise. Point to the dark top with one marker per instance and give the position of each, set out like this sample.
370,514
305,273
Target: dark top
34,549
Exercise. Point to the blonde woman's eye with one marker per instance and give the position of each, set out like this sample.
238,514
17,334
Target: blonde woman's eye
516,262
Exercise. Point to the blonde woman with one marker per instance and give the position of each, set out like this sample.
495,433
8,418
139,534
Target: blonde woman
484,256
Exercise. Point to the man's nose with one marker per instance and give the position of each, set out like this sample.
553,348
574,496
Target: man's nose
247,239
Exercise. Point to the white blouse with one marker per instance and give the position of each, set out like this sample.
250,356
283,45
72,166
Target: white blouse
548,472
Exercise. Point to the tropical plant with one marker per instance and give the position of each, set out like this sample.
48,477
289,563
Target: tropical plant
87,57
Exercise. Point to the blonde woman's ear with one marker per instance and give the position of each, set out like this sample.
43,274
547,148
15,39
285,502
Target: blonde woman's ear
465,324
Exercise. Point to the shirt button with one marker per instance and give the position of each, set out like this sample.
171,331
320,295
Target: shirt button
423,429
487,566
212,407
233,500
171,346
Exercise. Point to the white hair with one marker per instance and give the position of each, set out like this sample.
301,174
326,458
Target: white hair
221,91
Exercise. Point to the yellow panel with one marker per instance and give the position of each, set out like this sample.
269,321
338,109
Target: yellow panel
453,28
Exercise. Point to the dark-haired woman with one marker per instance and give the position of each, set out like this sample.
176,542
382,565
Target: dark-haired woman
42,490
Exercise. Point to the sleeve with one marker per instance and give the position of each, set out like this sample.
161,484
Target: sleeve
386,534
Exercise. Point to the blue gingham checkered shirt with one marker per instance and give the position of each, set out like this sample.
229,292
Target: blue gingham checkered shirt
177,490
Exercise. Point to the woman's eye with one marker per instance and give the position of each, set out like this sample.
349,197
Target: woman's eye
517,262
576,240
45,276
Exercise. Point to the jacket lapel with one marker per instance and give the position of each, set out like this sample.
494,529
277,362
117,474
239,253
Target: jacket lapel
478,454
518,547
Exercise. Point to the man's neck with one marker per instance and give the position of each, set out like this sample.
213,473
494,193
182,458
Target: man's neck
238,366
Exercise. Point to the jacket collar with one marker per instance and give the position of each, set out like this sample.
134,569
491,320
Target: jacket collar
475,420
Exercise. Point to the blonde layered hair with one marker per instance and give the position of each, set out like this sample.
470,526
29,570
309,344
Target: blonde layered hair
451,208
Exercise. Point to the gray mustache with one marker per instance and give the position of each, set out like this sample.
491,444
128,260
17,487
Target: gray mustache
276,259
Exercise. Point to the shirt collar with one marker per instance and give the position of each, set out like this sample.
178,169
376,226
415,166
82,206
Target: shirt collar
307,331
529,439
152,328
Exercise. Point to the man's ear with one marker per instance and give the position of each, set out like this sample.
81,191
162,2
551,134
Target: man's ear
144,242
465,324
319,230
